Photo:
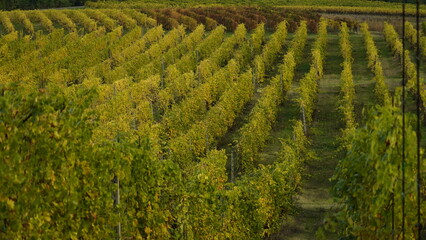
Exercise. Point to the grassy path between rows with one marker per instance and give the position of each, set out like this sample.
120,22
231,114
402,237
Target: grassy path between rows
289,110
390,63
363,78
230,139
314,200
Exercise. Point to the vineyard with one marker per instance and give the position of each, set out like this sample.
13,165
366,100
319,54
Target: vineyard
132,120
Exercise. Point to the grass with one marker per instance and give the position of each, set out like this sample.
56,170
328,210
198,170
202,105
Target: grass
390,63
393,73
314,200
362,76
228,142
289,110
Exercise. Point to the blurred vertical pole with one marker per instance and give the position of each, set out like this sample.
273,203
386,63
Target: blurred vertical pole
232,166
419,225
393,195
403,120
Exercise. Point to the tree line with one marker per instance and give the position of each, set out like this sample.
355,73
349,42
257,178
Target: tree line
39,4
397,1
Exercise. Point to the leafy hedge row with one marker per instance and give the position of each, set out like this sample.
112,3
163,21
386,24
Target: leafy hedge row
255,133
381,88
347,88
61,184
309,83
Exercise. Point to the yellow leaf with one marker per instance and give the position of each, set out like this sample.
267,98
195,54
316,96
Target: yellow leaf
148,231
10,203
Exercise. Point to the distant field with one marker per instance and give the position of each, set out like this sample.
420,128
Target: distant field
186,3
343,6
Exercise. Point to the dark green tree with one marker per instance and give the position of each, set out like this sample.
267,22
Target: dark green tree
38,4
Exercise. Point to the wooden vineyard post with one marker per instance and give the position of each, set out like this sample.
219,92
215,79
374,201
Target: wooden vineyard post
42,81
152,109
232,166
134,125
198,75
253,77
207,140
190,144
116,199
163,74
304,121
118,203
197,56
251,48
